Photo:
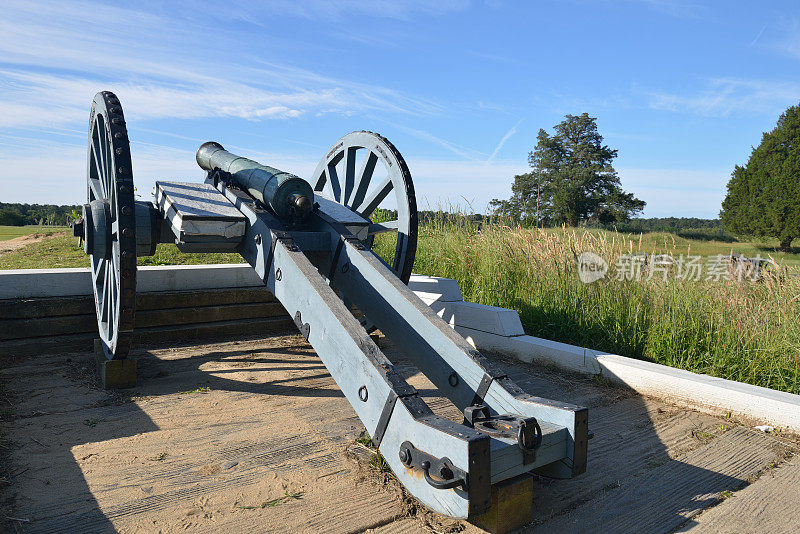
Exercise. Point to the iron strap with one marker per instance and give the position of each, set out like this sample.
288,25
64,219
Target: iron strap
483,387
335,260
383,421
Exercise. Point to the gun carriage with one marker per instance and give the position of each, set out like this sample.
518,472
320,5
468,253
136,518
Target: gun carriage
311,247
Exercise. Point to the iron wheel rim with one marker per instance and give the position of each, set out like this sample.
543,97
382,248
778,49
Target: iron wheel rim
109,179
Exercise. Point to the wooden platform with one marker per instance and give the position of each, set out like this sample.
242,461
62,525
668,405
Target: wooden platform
44,325
252,436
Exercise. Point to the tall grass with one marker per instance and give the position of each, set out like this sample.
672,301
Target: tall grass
745,331
742,331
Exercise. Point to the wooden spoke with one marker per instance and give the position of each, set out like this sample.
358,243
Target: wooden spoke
336,187
364,179
376,197
349,173
357,189
321,181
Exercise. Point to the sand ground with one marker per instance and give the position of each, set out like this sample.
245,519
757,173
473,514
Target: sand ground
253,436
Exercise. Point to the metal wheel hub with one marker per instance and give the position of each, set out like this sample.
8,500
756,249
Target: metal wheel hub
96,229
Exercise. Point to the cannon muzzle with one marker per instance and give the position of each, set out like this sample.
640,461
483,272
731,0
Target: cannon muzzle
289,196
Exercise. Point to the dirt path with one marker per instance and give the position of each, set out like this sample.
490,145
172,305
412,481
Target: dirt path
24,240
252,436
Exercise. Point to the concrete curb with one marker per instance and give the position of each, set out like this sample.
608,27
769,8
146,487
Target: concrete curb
700,392
486,327
41,283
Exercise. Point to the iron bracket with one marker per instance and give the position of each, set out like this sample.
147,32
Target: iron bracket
445,474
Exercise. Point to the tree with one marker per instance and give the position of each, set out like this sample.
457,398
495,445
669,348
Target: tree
572,180
763,195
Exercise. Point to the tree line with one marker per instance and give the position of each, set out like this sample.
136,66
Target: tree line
39,214
572,182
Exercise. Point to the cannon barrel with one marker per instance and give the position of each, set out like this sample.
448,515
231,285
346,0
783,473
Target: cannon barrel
289,196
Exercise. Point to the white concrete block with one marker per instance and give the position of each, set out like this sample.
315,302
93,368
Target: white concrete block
37,283
684,388
188,277
33,283
432,288
500,321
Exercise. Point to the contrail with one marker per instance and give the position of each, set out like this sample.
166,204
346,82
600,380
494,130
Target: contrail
505,138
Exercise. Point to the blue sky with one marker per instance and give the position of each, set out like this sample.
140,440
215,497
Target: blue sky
681,89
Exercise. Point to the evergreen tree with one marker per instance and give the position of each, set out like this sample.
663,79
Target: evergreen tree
764,196
572,180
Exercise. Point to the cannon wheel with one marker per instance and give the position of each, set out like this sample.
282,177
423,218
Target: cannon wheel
109,224
356,191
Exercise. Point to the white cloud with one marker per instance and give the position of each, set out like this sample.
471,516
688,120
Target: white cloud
723,97
160,68
55,172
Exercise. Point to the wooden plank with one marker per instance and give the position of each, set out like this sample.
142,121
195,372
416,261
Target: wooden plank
45,307
204,462
82,305
770,504
208,314
47,326
158,300
243,327
677,490
151,337
78,324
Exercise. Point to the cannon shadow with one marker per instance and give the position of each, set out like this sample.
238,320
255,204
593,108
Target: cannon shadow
641,475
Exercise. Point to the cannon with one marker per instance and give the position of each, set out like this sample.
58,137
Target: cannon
312,248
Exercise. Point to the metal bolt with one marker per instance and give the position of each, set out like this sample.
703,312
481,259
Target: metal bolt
116,120
119,135
404,456
453,379
127,210
257,239
346,267
123,189
121,170
118,151
127,232
278,275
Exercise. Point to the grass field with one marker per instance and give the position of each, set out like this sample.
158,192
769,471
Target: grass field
10,232
740,330
745,331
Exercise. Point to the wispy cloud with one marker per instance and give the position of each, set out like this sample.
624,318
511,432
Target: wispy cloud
723,97
464,152
58,55
676,8
502,142
337,10
758,36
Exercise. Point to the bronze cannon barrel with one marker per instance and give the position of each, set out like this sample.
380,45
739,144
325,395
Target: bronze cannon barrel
289,196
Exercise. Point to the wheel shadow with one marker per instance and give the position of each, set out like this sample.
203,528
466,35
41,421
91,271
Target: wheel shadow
58,411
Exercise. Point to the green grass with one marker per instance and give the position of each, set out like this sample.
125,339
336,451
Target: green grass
744,331
10,232
62,250
204,389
